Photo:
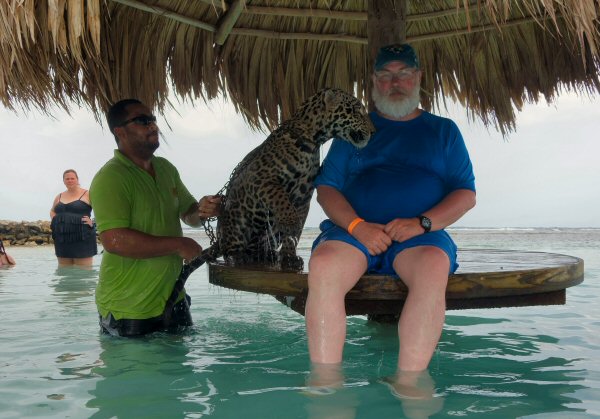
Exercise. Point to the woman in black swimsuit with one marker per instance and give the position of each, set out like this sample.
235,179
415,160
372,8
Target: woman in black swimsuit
73,230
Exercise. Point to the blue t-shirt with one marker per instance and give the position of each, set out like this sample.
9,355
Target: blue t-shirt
407,168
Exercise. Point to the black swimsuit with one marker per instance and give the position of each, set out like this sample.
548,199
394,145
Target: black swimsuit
72,237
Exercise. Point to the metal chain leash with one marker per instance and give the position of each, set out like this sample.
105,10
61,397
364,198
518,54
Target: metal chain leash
187,269
206,224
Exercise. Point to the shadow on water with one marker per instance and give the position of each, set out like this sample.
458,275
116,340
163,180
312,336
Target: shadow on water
246,356
5,272
148,377
74,284
495,375
229,369
501,373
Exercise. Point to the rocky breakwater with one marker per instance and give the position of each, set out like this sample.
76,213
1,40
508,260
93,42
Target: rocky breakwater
25,233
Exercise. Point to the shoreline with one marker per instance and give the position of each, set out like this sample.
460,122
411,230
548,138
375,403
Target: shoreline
39,233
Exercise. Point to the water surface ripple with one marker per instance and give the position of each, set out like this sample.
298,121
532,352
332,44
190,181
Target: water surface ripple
246,354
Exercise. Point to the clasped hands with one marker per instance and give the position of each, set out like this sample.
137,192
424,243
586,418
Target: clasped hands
378,237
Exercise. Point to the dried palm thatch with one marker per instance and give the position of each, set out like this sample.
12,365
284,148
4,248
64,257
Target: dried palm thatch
268,55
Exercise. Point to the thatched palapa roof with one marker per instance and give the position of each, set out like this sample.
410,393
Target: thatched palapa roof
267,56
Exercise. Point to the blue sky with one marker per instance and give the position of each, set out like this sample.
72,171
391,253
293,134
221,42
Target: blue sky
546,174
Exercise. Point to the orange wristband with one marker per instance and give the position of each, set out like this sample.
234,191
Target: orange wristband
354,223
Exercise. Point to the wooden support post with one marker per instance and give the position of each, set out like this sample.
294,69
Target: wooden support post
386,24
228,21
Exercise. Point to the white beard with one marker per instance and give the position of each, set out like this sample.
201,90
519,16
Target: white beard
396,108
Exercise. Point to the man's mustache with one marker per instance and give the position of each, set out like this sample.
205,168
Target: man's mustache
394,91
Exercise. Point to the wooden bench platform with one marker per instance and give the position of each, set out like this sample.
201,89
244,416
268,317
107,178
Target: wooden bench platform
485,279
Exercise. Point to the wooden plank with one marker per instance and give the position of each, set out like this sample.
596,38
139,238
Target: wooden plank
488,278
389,310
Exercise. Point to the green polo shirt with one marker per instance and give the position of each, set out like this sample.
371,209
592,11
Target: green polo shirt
125,196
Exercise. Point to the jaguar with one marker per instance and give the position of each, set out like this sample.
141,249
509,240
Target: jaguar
267,199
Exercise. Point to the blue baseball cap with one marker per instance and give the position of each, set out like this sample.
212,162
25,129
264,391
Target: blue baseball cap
396,52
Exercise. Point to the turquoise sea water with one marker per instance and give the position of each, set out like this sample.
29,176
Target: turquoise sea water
246,355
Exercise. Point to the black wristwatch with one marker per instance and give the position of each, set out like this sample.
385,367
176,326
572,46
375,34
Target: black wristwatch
425,223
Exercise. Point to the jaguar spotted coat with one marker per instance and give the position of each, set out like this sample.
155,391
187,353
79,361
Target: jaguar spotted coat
269,193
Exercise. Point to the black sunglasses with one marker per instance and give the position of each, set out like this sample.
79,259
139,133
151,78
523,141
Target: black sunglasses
143,120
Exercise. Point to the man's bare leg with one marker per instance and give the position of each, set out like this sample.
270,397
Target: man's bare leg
424,270
334,268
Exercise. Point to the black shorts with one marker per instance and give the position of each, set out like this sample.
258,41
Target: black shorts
180,317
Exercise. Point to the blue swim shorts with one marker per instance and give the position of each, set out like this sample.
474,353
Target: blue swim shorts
383,263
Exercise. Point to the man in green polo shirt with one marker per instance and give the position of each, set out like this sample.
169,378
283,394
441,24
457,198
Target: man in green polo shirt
138,200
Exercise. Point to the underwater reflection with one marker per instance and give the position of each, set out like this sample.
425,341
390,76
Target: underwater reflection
329,396
73,284
148,377
416,392
341,404
501,371
238,369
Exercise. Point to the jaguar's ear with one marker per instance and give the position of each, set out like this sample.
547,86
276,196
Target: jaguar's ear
331,98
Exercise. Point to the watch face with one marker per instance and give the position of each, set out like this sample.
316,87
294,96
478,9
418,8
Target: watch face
425,223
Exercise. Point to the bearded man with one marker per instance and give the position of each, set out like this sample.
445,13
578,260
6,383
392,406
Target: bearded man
388,204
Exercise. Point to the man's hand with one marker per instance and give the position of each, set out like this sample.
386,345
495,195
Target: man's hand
402,229
188,249
373,237
209,206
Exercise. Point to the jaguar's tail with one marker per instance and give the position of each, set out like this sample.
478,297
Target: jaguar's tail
211,253
208,255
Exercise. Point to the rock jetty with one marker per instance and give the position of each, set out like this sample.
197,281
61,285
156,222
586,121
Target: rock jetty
25,233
